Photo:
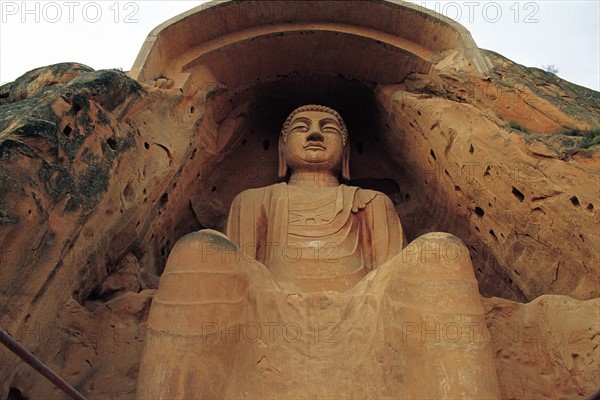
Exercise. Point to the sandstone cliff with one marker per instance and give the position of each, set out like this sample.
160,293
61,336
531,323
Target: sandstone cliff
100,175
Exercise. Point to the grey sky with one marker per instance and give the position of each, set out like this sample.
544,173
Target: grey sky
109,34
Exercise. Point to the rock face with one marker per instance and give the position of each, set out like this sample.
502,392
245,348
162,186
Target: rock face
100,174
502,190
546,347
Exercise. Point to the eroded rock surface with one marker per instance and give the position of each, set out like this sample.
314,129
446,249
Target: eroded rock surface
100,175
547,348
82,217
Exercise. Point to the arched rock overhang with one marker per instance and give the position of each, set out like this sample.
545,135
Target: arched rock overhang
249,63
238,44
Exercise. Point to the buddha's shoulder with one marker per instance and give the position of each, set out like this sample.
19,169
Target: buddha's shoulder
364,197
259,193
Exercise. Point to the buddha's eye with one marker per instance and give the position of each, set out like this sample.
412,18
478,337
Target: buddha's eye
300,128
330,129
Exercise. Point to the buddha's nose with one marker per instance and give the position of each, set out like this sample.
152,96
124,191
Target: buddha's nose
315,137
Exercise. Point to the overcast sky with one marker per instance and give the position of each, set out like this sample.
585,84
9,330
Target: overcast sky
109,34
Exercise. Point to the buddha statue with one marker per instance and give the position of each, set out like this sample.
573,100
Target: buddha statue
313,233
312,294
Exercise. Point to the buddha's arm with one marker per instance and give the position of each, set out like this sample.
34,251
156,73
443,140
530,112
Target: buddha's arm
382,232
247,224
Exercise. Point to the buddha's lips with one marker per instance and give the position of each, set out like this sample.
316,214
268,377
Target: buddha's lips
314,146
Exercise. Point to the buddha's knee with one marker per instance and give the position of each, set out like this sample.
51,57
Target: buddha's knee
439,255
204,250
203,282
203,266
434,274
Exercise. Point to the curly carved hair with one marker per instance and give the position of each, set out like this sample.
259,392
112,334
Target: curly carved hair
314,107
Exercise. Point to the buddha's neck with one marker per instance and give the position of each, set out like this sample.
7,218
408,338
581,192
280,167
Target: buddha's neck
313,179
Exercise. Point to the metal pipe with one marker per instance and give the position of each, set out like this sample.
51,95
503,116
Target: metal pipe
38,365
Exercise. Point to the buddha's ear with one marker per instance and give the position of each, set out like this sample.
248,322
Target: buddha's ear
346,162
282,163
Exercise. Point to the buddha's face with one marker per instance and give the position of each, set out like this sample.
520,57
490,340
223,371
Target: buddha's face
314,141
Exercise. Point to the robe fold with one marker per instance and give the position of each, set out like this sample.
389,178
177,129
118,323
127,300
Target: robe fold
349,234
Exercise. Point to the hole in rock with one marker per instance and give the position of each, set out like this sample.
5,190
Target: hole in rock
146,145
479,212
457,188
15,394
78,102
192,109
266,143
538,210
493,234
518,194
67,130
590,207
471,149
575,201
432,154
128,192
112,143
96,297
213,189
164,199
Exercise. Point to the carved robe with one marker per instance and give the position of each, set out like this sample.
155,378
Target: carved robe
326,244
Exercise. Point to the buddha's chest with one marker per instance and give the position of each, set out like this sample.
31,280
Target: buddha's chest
312,207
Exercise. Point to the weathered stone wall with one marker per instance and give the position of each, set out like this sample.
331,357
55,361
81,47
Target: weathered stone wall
547,348
101,175
525,203
90,162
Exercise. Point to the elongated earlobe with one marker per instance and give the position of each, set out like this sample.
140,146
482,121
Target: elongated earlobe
282,163
346,162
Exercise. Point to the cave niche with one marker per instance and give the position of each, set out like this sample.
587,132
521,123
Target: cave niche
384,156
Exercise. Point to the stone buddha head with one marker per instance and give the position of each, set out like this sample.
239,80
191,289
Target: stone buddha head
314,139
